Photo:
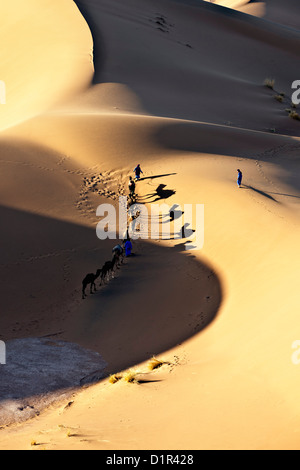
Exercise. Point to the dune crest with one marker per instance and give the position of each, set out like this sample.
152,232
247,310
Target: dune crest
179,87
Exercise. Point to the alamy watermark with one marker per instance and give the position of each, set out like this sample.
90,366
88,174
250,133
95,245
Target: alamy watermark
2,353
163,222
2,92
296,94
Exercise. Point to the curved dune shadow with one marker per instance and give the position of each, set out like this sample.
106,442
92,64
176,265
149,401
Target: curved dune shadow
98,43
211,139
158,299
200,137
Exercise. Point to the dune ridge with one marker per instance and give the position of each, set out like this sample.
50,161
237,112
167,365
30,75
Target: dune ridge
189,104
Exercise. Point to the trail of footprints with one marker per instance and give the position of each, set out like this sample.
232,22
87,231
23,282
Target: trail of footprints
104,184
161,23
58,165
272,153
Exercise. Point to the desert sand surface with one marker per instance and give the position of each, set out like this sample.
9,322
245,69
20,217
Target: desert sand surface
93,88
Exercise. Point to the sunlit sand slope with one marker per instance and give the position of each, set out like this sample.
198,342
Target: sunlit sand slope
46,56
178,87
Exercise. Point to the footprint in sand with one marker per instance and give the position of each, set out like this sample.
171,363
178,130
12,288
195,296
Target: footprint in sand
161,23
103,184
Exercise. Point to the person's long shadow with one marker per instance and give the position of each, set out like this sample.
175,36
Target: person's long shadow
259,191
287,195
156,176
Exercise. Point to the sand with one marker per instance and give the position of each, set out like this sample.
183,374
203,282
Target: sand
179,88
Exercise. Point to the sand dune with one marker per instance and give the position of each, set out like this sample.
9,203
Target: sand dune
46,57
179,87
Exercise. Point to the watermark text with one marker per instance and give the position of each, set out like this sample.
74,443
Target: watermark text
2,353
296,94
161,222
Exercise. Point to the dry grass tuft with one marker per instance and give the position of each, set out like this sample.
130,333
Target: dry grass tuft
130,377
155,363
279,98
269,83
294,115
114,378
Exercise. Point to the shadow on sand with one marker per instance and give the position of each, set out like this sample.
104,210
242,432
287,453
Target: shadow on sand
259,191
143,311
156,176
158,194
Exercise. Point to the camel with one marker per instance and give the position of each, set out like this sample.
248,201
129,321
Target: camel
108,268
118,252
90,279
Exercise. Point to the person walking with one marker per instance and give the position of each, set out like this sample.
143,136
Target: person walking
125,236
239,178
138,172
128,248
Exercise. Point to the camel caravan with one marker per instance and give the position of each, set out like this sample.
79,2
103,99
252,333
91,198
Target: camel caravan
107,271
118,252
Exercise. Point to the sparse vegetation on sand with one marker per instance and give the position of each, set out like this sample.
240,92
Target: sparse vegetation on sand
269,83
114,378
294,115
279,98
155,363
131,376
